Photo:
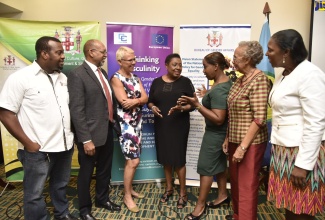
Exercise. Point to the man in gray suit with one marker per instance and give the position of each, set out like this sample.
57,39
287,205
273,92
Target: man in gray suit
92,107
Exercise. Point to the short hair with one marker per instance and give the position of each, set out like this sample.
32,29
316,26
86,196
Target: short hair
217,58
291,40
171,56
254,51
121,52
42,44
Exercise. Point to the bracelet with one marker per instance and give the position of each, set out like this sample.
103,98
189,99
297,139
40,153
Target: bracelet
198,107
153,107
182,109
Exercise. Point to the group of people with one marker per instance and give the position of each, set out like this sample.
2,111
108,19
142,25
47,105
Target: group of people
38,104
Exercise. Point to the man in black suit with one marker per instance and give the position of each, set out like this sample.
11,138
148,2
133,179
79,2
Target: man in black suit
92,107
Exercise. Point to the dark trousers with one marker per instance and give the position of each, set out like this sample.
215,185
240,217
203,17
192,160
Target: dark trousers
38,167
102,160
244,181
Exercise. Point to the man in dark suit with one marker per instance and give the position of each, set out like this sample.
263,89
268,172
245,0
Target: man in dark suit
92,107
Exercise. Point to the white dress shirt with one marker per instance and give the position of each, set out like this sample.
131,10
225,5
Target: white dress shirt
43,111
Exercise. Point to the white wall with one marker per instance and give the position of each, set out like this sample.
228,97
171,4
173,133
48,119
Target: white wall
285,13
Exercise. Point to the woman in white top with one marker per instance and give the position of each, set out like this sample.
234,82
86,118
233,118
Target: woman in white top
298,104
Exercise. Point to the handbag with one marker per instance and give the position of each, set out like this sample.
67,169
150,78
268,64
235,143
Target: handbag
117,128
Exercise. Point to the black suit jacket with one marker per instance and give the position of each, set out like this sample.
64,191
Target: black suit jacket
88,105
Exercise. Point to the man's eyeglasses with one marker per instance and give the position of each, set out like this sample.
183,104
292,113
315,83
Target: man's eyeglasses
130,60
104,52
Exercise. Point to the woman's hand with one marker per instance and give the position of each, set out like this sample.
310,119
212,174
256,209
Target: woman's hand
193,101
298,177
225,146
238,155
201,91
177,107
129,103
156,111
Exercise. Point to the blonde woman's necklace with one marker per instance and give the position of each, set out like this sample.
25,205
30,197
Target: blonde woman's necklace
246,78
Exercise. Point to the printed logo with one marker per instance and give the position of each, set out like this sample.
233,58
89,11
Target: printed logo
9,60
319,5
214,38
68,38
10,63
159,39
122,38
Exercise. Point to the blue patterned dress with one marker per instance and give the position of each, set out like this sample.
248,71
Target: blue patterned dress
130,119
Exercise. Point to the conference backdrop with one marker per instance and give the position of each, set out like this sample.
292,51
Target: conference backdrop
151,45
17,50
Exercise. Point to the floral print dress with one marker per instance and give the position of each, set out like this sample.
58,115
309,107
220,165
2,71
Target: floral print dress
130,119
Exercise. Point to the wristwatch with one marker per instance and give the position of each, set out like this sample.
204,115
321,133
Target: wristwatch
243,148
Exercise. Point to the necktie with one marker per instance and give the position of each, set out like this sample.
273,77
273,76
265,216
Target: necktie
108,96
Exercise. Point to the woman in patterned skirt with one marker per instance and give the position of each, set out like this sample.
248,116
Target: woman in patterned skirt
131,96
297,168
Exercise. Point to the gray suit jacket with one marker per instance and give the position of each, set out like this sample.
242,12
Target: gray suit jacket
88,105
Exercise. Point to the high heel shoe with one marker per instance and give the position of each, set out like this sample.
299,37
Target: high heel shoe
134,209
181,202
138,196
193,217
211,205
230,217
165,197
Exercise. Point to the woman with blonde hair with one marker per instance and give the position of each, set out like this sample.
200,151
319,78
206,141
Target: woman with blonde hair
131,96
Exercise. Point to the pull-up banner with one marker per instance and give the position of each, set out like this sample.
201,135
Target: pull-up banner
17,50
151,45
196,41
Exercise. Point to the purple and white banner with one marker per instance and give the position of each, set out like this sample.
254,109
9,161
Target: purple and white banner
151,45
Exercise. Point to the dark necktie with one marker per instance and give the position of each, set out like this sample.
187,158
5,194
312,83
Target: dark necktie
107,94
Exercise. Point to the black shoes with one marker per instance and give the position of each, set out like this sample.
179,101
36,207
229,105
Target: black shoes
193,217
211,205
229,217
67,217
109,206
87,217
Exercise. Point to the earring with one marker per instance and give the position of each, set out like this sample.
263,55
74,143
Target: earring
284,60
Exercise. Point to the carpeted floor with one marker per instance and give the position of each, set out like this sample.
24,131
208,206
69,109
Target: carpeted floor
11,203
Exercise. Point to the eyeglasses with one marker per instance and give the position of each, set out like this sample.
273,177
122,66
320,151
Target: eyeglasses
236,59
104,52
130,60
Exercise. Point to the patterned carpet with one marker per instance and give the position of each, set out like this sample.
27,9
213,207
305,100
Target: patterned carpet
150,208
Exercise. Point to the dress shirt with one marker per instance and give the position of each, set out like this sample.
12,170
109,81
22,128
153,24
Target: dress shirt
42,109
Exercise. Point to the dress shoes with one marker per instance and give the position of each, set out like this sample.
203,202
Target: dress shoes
67,217
109,206
230,217
87,217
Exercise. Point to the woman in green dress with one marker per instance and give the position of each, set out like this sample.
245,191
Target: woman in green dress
212,160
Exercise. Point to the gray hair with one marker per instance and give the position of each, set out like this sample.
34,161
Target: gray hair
254,51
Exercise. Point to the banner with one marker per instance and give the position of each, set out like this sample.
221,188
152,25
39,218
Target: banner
196,41
151,45
17,50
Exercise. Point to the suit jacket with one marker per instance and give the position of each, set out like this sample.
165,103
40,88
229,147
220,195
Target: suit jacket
88,105
298,112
